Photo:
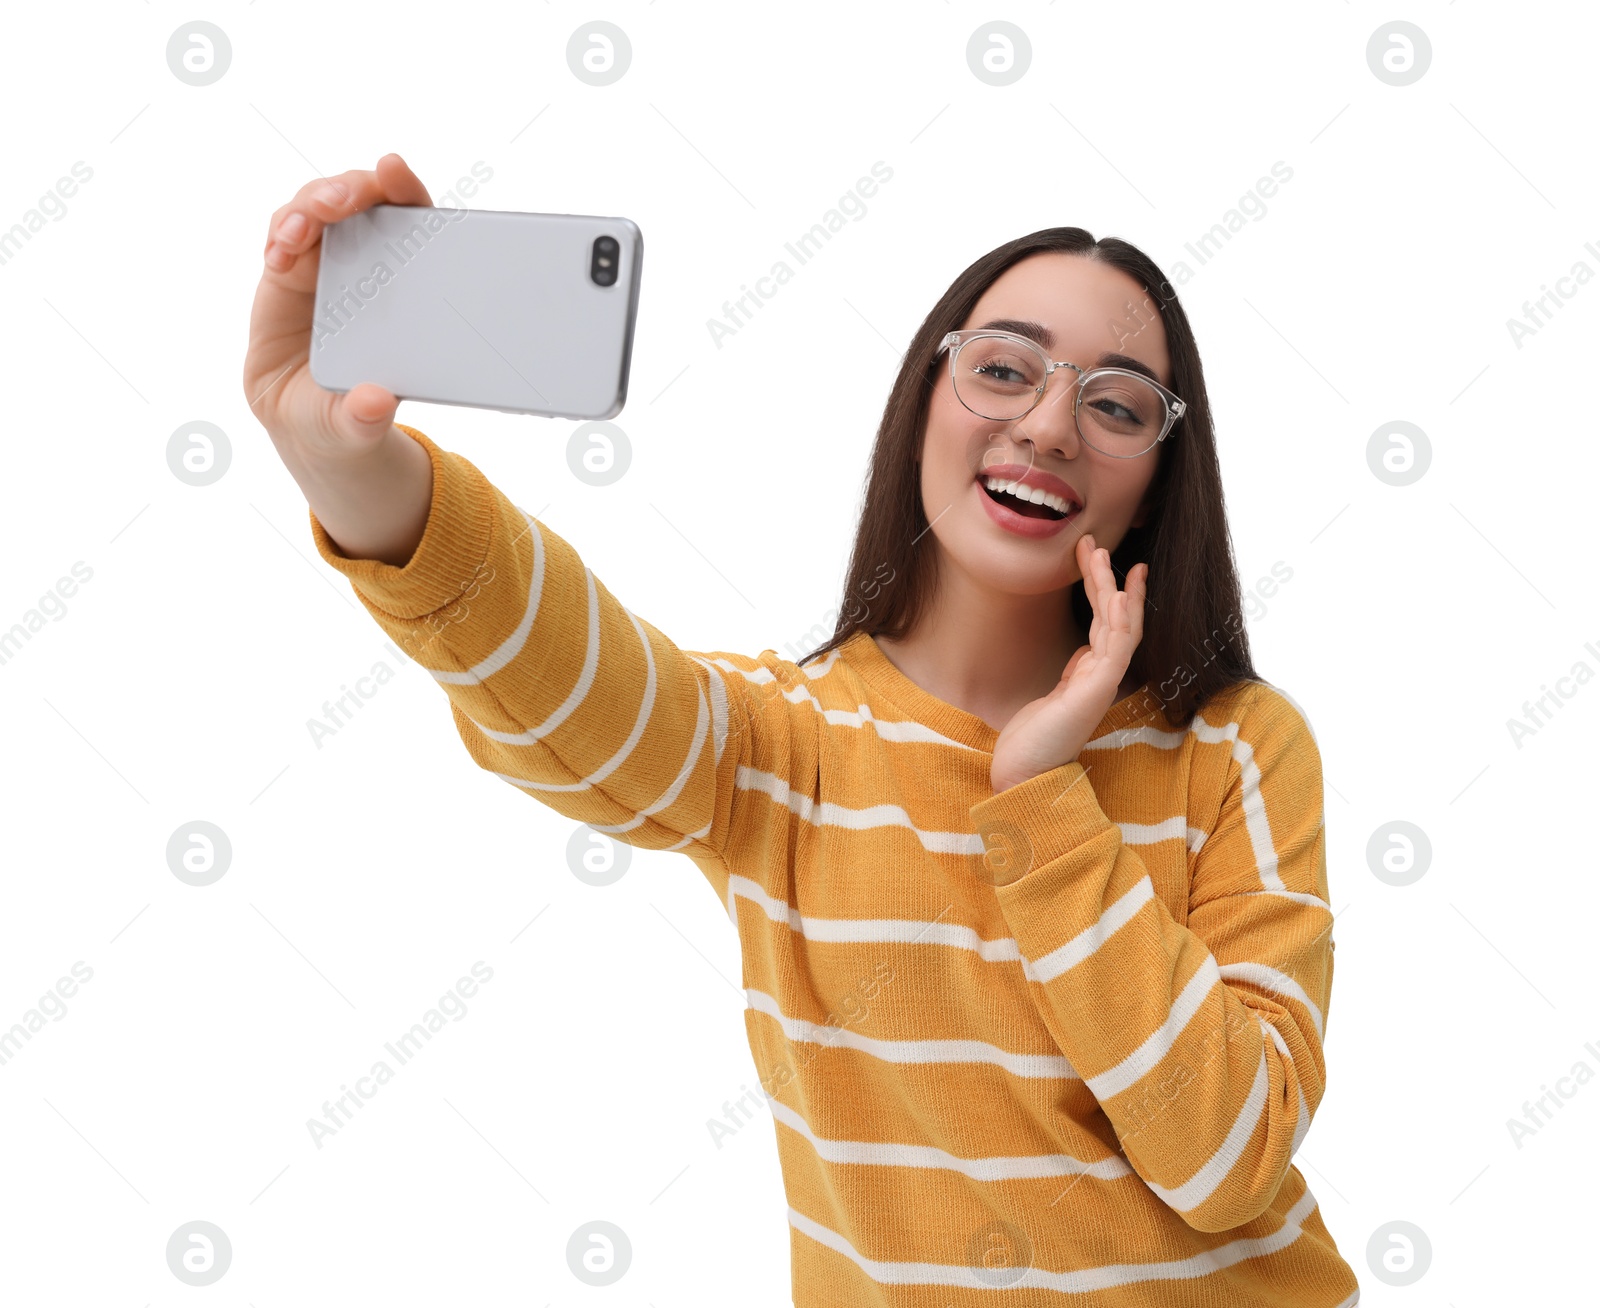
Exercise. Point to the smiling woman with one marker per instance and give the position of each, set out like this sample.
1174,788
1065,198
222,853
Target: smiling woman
1095,1040
974,567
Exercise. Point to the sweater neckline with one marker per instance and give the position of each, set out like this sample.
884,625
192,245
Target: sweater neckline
863,654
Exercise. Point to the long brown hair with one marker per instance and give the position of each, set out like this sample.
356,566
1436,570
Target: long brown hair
1194,641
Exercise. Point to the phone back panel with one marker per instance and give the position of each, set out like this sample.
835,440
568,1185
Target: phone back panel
480,307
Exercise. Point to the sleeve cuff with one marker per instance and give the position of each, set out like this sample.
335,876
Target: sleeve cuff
1034,824
455,542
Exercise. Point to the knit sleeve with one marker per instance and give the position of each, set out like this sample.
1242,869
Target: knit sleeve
555,686
1201,1041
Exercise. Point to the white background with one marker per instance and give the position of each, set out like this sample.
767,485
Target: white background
369,874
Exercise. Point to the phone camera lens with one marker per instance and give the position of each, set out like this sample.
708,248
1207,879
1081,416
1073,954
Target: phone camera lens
603,261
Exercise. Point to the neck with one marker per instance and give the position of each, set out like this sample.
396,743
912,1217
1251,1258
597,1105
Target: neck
984,651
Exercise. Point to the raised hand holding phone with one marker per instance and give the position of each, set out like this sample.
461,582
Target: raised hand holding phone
367,482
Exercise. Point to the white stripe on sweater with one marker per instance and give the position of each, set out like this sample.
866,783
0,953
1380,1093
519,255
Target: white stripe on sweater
668,797
1000,949
1255,812
1203,1184
1199,1187
512,645
1132,1069
1082,945
1302,1121
1155,737
1279,983
861,716
912,1051
861,930
828,813
939,842
993,1168
579,693
1086,1281
719,704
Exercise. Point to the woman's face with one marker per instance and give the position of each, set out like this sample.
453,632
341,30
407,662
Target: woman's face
1090,310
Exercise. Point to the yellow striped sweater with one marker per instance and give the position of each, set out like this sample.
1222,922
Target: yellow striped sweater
1053,1046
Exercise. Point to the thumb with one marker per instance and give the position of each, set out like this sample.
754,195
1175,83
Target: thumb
1077,658
363,415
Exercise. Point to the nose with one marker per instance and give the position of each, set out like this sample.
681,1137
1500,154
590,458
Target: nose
1052,424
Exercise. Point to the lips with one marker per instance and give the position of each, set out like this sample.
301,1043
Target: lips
1018,523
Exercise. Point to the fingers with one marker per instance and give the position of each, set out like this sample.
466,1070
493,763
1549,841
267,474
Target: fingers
1118,623
281,316
362,416
1098,583
1118,607
1136,581
298,225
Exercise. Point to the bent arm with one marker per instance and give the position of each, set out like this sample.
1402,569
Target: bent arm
1201,1041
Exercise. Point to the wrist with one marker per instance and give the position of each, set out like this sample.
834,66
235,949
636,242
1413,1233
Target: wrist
374,503
1005,773
1003,780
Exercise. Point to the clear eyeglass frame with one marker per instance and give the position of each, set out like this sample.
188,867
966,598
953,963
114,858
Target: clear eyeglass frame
1173,407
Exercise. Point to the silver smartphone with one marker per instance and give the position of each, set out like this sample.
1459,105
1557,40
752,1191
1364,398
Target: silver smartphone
521,312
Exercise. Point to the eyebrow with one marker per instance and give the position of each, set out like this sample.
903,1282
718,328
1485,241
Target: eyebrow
1039,333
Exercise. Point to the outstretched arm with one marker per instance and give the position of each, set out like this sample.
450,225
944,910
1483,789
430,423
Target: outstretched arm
555,686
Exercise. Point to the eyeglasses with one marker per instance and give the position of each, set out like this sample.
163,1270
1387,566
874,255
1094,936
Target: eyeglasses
1002,376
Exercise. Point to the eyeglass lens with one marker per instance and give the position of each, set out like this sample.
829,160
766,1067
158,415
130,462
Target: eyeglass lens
1000,379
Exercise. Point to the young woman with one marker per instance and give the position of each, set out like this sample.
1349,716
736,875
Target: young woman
1030,885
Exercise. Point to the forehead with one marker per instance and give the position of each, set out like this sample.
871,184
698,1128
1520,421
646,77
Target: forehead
1089,308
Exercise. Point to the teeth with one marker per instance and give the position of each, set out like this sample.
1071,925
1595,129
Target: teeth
1030,493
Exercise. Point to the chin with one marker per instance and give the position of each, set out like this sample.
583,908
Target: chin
1014,571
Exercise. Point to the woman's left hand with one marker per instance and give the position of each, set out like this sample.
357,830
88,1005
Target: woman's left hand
1051,730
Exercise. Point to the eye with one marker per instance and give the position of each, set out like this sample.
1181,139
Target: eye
1107,406
1000,372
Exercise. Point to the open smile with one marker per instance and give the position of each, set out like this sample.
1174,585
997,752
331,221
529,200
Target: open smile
1035,518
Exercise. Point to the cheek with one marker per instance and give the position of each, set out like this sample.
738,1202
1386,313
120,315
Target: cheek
942,478
941,451
1113,487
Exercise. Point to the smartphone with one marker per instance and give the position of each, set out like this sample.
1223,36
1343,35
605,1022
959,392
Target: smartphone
521,312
